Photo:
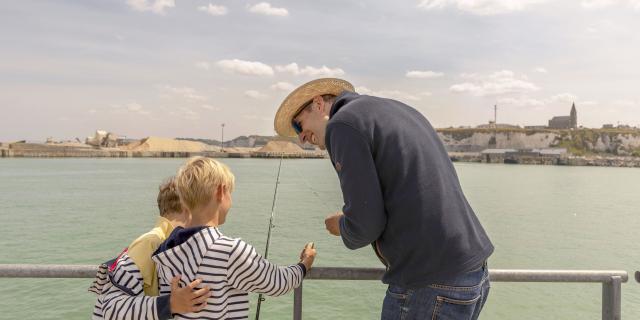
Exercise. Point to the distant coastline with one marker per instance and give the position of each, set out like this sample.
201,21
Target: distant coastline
570,147
528,159
156,147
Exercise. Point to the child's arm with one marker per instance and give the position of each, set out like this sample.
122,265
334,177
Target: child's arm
123,297
248,271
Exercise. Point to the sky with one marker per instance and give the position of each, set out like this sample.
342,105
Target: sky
179,68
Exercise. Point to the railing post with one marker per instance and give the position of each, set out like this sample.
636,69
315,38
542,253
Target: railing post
297,303
611,299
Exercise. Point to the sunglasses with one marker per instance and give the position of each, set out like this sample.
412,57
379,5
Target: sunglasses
296,124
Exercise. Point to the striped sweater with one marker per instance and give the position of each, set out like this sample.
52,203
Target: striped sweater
230,267
119,286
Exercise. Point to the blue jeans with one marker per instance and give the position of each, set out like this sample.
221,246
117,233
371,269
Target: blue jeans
458,299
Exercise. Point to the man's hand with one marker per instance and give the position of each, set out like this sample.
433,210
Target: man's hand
187,299
332,223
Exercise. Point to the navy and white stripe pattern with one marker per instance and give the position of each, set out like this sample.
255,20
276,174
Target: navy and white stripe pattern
101,279
229,267
122,297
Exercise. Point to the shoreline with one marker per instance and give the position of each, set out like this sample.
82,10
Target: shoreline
29,150
565,160
32,150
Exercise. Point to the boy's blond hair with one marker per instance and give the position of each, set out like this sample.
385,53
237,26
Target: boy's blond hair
198,179
168,198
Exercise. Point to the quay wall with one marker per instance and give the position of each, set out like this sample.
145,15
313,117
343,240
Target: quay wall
34,150
595,161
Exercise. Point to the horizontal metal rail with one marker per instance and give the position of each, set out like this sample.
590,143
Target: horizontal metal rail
47,271
496,275
611,280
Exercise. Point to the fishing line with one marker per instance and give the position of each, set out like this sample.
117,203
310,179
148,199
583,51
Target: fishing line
271,226
316,193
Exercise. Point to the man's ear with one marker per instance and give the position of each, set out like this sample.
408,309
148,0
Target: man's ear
318,101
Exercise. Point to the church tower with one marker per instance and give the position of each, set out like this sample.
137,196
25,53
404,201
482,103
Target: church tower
574,117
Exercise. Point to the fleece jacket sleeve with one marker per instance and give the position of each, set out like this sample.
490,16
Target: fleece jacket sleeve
364,215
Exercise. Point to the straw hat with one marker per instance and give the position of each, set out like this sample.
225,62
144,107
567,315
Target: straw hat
301,96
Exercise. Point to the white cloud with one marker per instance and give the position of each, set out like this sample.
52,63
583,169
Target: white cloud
134,107
203,65
564,97
323,71
188,114
155,6
214,10
540,70
186,92
497,83
423,74
597,4
521,102
469,75
480,7
209,107
291,68
587,103
391,94
265,8
253,94
245,67
283,86
606,28
626,103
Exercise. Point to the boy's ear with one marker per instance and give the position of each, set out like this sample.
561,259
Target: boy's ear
219,193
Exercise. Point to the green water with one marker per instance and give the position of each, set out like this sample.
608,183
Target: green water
84,211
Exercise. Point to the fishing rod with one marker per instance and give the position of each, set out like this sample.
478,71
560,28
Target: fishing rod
271,226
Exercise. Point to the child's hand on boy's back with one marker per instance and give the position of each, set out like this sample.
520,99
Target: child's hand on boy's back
308,255
188,299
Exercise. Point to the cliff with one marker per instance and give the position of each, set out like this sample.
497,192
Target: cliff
619,142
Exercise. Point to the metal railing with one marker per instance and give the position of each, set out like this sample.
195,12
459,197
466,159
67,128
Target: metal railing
611,280
47,271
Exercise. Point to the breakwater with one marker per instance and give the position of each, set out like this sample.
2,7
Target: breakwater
36,150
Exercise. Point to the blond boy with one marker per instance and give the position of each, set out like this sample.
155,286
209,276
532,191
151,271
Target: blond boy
128,286
229,266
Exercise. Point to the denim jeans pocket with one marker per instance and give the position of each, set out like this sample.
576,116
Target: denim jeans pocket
447,308
460,298
397,292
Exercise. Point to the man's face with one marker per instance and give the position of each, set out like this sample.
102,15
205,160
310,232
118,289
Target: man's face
312,123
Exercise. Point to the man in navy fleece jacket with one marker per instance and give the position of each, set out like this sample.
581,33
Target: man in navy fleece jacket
402,196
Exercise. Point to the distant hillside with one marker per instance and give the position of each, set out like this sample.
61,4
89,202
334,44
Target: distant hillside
623,142
252,141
